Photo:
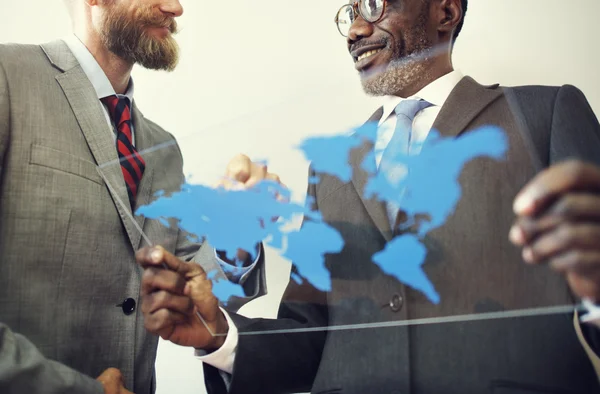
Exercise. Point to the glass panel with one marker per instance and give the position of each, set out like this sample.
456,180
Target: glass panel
351,268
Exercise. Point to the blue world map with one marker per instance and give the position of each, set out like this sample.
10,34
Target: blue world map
429,186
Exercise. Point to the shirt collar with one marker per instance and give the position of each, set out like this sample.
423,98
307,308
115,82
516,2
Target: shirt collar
93,71
436,93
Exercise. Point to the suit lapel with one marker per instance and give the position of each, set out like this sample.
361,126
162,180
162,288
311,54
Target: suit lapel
143,143
465,102
89,114
375,208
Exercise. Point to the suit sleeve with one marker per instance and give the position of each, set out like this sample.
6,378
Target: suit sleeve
287,359
23,368
576,135
575,129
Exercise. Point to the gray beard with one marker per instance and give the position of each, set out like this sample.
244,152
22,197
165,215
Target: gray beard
399,74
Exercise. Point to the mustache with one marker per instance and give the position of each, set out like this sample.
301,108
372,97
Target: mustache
363,43
149,17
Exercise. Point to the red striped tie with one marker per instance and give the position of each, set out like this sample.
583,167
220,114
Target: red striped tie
132,164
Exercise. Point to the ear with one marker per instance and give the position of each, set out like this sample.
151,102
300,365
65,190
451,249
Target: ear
449,14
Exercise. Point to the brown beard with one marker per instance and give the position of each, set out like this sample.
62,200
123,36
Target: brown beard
125,36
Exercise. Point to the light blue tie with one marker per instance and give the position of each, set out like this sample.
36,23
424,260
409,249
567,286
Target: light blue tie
400,145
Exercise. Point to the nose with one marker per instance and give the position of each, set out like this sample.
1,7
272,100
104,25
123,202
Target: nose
172,7
360,28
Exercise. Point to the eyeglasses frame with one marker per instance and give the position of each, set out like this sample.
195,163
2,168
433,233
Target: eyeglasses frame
356,12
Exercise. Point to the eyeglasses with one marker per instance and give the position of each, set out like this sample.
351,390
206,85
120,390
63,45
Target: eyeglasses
369,10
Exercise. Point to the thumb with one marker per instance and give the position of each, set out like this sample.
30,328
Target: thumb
558,179
111,379
199,289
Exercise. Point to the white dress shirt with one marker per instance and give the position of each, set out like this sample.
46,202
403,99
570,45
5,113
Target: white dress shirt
99,80
435,93
104,88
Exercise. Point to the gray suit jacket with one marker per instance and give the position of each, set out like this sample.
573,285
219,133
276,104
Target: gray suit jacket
470,261
66,245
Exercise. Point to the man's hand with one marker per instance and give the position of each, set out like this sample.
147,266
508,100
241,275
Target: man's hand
558,222
112,380
173,293
242,173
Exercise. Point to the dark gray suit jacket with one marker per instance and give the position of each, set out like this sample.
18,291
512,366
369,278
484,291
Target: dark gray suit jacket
470,261
66,243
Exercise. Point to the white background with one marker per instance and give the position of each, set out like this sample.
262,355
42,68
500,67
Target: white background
259,76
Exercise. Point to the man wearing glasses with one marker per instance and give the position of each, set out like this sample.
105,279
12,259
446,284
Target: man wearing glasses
402,50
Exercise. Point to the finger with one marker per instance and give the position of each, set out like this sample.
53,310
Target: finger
563,238
273,177
239,168
526,229
163,322
220,183
576,206
550,183
151,256
582,262
572,207
200,290
141,255
584,286
111,376
258,173
164,300
155,279
158,257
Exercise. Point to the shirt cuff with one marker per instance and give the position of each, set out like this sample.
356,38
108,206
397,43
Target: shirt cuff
237,274
223,357
593,313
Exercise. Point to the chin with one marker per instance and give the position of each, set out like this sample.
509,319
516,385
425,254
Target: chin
381,83
370,88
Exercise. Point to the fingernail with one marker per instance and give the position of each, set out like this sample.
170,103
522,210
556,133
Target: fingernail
522,203
528,255
156,256
516,235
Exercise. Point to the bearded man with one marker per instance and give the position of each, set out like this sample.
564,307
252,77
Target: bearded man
372,333
73,168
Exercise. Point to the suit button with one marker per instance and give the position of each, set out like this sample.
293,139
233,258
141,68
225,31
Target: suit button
128,306
396,302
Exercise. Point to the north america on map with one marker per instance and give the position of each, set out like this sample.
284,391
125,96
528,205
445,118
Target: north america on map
429,186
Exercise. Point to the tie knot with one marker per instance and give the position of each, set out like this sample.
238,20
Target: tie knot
116,106
411,107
